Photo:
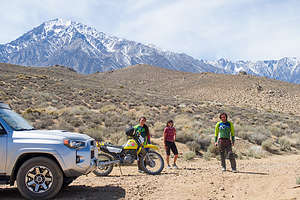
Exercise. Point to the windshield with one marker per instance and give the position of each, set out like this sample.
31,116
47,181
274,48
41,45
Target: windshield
14,120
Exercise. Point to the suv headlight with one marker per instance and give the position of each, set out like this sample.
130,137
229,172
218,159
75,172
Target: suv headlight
75,144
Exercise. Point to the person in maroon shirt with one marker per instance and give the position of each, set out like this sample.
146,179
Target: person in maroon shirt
169,141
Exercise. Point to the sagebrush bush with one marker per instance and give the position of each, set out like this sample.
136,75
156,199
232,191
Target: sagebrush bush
80,110
203,140
189,155
254,135
267,145
213,150
183,137
107,108
98,133
276,131
194,146
284,143
255,152
158,129
208,155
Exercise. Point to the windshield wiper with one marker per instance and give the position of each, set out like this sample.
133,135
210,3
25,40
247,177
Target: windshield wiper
26,129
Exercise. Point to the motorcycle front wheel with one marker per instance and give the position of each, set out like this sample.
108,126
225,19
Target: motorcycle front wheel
103,170
152,163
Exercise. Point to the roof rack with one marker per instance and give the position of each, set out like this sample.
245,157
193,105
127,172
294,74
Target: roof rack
4,106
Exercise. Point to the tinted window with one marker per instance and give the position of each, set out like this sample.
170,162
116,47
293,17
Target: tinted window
14,120
2,131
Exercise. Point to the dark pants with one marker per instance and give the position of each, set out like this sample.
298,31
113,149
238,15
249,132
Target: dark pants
225,149
172,146
140,164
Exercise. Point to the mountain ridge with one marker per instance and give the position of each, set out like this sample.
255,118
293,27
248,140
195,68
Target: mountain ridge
86,50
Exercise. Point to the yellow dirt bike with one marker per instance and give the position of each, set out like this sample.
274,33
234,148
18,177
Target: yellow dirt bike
109,155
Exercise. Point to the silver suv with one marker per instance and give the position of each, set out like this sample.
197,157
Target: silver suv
41,161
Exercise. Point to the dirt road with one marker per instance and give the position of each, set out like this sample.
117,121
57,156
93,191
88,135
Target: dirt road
267,179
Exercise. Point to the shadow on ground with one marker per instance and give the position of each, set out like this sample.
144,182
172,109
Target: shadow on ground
257,173
75,192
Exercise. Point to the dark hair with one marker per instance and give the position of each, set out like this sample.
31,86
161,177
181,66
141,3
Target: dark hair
169,122
223,114
142,117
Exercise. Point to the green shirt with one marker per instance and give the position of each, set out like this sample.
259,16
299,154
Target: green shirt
142,131
224,130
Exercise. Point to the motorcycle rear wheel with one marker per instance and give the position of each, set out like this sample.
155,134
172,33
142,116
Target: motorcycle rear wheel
153,163
106,169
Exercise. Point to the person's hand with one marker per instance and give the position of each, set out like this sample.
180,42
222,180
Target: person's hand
216,144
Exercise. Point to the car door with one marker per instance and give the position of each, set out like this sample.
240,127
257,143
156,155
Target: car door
3,144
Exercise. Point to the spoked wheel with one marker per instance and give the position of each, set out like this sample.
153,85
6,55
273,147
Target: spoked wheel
39,178
103,170
153,163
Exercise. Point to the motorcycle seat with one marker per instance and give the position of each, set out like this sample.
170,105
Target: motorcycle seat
112,148
115,146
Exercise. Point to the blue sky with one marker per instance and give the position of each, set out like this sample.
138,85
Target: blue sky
205,29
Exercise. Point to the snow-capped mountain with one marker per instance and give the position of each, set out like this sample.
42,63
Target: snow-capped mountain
83,48
285,69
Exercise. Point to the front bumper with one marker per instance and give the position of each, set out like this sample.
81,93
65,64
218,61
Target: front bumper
80,170
84,161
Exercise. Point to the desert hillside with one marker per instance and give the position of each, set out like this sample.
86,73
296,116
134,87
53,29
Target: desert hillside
265,112
104,104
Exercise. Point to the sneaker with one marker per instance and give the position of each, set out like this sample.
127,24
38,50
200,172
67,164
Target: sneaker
141,171
175,166
234,171
223,169
168,167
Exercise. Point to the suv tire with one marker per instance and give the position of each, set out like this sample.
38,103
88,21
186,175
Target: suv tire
39,178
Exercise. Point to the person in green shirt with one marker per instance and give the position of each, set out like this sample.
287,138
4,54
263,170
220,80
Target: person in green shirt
224,138
142,130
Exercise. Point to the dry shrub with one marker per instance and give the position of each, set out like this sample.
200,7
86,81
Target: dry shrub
203,140
98,133
194,146
208,155
183,137
267,145
107,108
184,123
298,180
276,131
254,135
44,124
213,150
189,155
295,140
63,125
255,152
117,138
142,111
285,144
79,110
158,129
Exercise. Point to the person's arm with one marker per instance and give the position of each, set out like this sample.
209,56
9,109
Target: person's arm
174,134
148,138
232,133
148,135
217,133
165,135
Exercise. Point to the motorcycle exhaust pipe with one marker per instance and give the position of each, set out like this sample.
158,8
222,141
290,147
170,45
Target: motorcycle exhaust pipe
101,163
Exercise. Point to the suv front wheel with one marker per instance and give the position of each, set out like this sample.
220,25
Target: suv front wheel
39,178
